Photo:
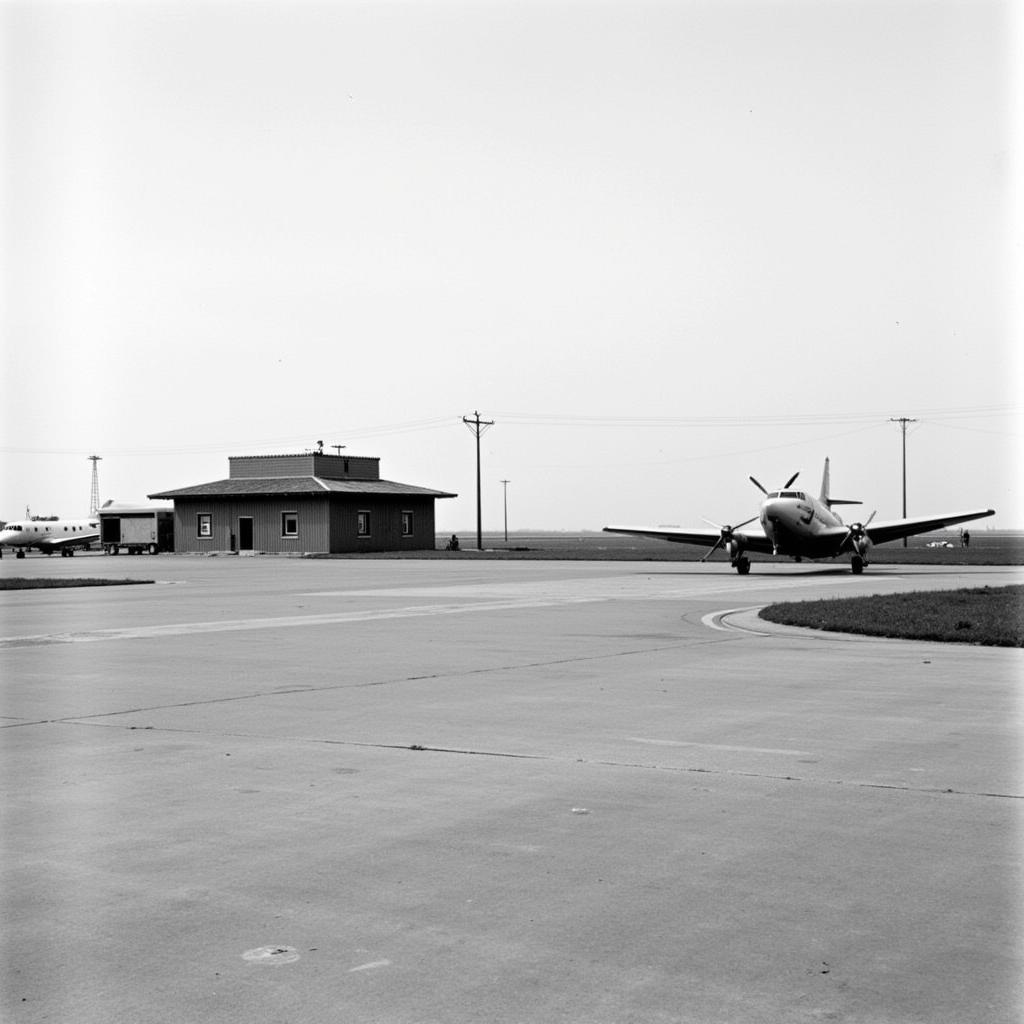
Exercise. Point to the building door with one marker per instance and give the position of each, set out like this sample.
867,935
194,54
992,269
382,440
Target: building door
245,533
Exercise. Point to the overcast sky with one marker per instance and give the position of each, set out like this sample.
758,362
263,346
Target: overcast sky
663,245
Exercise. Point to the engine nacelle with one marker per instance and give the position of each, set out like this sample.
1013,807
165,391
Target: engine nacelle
860,542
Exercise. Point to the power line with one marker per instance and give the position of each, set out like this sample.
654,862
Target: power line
542,420
777,419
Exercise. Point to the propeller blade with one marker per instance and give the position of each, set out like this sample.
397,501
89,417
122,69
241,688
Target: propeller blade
725,534
789,482
758,485
726,528
714,548
858,529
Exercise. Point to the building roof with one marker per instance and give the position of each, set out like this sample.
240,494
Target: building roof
253,487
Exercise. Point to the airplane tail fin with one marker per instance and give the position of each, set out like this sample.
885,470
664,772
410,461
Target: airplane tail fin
826,498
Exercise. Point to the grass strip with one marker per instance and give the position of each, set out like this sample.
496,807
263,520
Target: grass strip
990,616
25,583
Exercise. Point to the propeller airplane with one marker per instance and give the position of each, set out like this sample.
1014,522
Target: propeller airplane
796,524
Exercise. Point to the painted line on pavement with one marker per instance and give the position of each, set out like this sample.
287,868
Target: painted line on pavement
276,622
719,620
719,746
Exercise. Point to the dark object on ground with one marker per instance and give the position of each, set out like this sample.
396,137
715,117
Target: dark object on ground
24,583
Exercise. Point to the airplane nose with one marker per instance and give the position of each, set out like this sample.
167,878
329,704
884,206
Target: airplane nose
770,511
772,517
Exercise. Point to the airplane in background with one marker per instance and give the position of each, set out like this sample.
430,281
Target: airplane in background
49,535
799,525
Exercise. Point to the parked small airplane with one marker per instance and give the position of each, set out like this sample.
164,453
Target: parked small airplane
49,535
796,524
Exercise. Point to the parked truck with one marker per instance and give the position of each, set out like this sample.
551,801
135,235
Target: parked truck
136,529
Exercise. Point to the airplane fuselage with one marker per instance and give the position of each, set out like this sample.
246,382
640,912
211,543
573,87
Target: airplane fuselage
49,535
796,523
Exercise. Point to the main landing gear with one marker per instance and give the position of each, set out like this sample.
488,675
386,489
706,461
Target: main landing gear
741,565
857,565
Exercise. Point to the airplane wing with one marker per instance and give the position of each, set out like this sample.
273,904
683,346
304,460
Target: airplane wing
752,540
897,528
72,540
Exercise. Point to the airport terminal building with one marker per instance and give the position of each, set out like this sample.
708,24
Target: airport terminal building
299,504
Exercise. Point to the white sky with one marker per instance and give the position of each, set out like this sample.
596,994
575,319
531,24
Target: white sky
664,245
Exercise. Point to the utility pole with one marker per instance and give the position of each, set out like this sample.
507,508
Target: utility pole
94,497
903,421
338,447
478,426
504,484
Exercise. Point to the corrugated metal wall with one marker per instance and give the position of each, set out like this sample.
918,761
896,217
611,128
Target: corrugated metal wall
385,524
326,524
242,466
266,521
330,467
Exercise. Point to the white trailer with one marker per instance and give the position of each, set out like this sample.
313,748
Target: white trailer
136,529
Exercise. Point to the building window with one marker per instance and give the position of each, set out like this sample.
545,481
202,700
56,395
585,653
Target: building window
406,524
363,524
289,524
204,525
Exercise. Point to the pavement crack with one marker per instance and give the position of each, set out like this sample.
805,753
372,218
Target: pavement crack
554,758
305,688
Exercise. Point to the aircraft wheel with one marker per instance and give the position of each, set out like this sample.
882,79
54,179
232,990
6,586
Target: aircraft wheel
857,565
19,554
743,566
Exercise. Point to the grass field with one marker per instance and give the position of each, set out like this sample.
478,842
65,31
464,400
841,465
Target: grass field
52,583
987,548
990,616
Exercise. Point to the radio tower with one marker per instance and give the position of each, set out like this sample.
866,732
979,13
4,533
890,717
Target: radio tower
94,497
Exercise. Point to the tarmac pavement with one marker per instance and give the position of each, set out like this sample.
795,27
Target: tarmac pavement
441,792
